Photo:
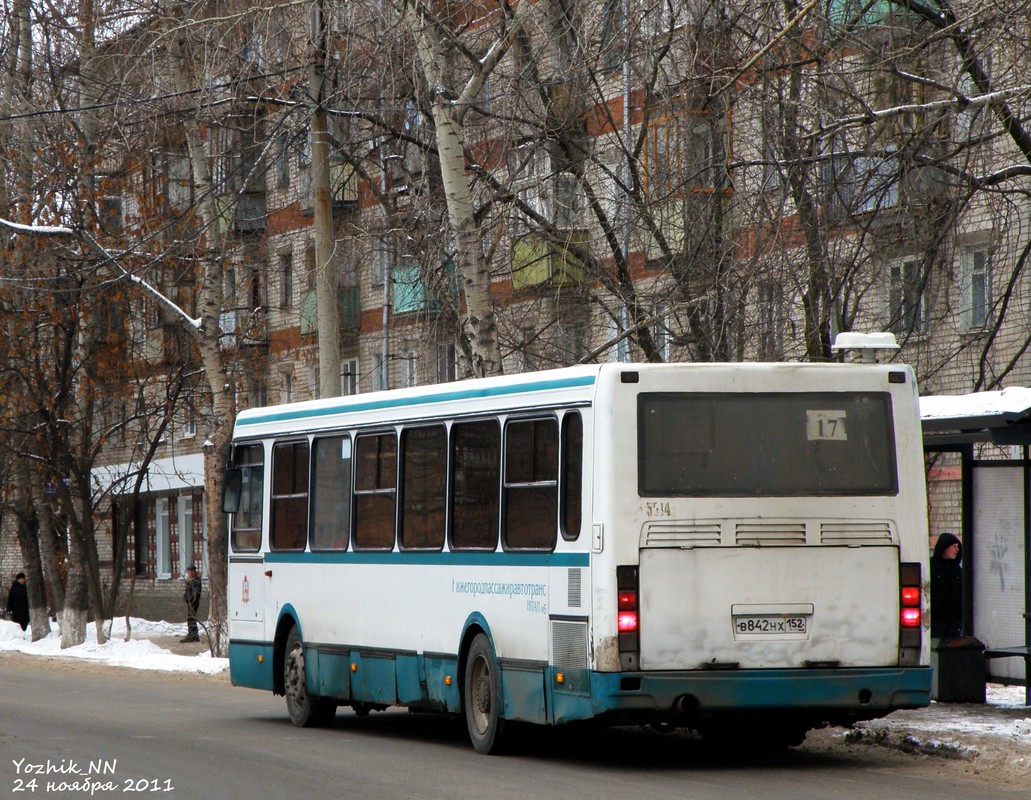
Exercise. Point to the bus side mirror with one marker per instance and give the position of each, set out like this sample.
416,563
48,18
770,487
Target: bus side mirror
231,490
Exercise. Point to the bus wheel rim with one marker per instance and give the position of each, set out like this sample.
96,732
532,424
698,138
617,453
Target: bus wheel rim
481,695
295,676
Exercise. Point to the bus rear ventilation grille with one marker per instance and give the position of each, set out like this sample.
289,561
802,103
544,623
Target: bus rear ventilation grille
856,533
682,534
775,533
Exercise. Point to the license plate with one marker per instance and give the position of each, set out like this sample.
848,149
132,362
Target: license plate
771,624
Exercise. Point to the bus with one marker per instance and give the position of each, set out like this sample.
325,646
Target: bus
736,549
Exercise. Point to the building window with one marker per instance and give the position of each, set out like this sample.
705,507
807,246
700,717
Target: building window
111,211
447,363
660,329
662,18
614,326
379,372
191,550
971,121
380,260
679,151
162,538
286,390
906,306
286,280
349,378
283,161
180,182
770,323
257,394
772,120
976,287
409,369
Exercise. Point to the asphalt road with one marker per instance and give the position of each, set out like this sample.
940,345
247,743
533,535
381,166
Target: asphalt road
197,738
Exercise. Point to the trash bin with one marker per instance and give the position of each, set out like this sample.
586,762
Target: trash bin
959,670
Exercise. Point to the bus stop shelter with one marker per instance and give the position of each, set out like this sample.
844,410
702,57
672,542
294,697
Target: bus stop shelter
995,518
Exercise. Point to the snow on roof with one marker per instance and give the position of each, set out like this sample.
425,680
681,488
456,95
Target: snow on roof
1011,403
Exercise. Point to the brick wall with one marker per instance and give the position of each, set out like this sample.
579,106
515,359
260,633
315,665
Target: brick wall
944,497
162,600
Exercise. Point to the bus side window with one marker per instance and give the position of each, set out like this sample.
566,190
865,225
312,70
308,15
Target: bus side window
531,484
250,460
572,474
290,496
424,487
476,482
331,493
375,490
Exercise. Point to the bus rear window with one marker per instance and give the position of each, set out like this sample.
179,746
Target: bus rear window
765,445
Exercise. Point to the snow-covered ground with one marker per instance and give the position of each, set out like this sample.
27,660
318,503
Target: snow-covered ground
139,652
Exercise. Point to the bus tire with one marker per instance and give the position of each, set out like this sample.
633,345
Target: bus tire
305,710
481,698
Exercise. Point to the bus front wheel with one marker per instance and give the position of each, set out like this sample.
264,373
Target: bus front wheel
305,710
482,697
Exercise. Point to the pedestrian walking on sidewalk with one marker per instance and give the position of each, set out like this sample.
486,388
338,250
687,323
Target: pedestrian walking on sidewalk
191,596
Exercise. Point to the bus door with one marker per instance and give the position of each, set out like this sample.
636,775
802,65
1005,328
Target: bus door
246,597
246,579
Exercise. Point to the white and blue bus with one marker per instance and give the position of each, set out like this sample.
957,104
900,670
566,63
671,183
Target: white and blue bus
722,547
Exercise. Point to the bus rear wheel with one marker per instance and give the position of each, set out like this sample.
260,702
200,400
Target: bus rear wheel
305,710
481,698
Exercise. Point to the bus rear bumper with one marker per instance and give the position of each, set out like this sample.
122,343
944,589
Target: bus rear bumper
846,694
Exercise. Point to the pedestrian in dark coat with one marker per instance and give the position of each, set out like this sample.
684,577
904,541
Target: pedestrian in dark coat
947,587
191,596
18,601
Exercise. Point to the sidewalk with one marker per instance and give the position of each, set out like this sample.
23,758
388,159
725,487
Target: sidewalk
995,735
172,644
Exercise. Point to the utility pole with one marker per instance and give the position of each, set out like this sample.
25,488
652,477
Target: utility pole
327,307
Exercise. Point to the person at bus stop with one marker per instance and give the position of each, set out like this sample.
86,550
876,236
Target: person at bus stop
18,601
191,596
947,587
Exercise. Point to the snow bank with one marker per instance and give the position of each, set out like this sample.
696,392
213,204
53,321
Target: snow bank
139,652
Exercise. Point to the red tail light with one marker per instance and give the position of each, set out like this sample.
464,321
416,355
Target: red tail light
627,621
910,613
911,596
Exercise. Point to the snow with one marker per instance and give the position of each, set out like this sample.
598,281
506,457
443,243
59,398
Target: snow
1014,400
140,652
43,230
